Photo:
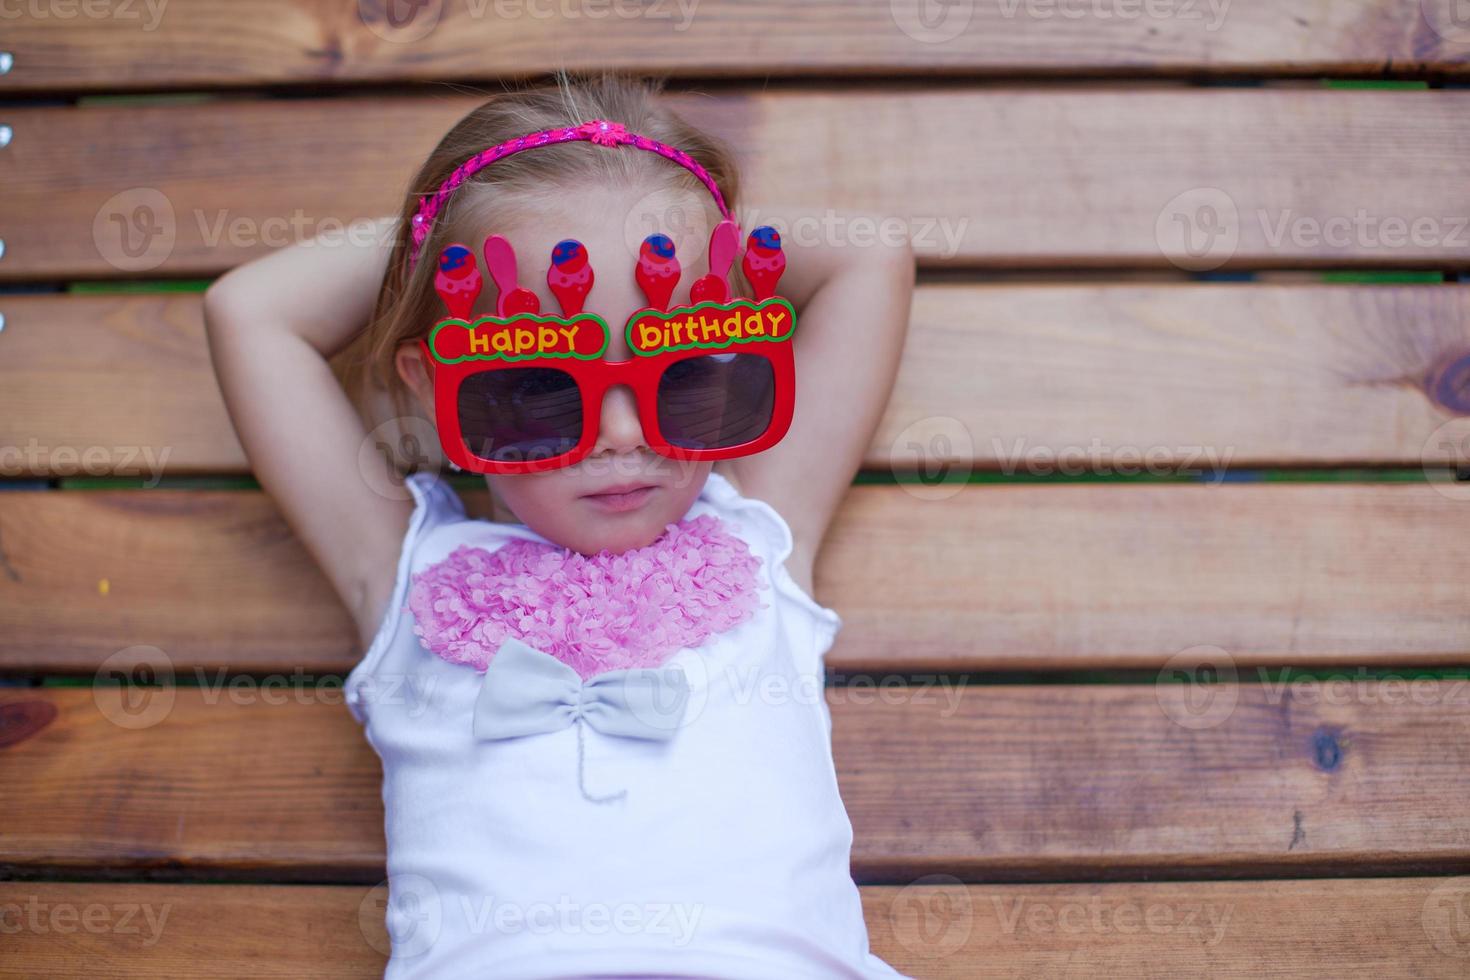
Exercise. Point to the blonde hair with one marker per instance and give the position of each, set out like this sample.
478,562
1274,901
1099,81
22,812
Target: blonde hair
407,305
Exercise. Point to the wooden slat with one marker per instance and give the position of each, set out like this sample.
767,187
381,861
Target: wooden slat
1385,927
241,42
993,577
1000,782
1008,178
1020,379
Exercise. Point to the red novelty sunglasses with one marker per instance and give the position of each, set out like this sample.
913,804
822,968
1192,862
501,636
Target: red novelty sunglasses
521,392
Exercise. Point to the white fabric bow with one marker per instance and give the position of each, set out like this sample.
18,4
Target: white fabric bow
528,692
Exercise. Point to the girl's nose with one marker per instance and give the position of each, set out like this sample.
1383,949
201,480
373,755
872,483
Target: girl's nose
621,431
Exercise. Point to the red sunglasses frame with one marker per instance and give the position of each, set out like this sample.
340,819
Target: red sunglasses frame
594,376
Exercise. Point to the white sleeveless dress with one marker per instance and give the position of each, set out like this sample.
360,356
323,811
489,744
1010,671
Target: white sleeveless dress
726,855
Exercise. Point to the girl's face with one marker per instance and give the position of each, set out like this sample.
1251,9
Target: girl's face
623,494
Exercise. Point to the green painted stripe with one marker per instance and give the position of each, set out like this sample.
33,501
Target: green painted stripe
148,286
1383,277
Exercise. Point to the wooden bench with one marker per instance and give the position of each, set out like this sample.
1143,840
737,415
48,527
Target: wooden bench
1156,585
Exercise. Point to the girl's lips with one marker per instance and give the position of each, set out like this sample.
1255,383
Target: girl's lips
623,501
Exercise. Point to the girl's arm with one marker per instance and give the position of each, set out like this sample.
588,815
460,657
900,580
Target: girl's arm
852,304
272,324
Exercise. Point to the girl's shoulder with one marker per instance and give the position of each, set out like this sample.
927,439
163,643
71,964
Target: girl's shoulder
770,537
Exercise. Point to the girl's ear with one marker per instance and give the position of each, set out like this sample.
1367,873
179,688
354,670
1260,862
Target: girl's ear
409,362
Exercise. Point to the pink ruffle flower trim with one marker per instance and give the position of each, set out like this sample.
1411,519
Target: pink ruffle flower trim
594,613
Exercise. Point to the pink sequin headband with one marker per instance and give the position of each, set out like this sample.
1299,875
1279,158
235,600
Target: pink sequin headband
599,132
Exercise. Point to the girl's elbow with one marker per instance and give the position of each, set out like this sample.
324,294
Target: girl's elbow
221,301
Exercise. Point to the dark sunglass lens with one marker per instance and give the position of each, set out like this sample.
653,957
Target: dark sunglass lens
520,414
714,401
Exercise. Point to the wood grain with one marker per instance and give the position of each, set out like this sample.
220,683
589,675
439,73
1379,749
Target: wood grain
1000,782
1021,379
1229,929
992,577
1040,177
208,43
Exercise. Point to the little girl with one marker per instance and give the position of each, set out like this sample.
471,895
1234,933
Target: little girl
604,742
